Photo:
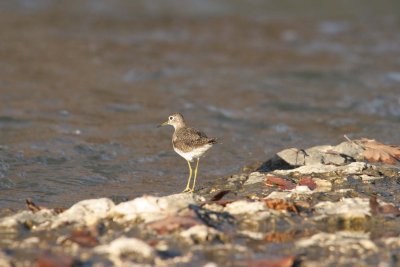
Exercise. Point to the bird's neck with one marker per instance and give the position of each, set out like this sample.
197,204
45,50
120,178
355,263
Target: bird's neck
179,126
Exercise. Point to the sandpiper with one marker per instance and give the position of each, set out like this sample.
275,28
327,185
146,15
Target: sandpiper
189,143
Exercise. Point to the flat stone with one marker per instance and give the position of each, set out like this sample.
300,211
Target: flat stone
150,208
244,207
255,177
352,168
312,156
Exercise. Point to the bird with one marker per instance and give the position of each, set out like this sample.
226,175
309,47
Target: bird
189,143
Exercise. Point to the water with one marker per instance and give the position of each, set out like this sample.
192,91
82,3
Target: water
84,84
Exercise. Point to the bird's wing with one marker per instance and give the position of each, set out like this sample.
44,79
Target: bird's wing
193,137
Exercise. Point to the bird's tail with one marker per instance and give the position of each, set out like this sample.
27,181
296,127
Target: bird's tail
213,141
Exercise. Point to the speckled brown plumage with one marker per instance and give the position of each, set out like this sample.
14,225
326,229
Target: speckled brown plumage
186,139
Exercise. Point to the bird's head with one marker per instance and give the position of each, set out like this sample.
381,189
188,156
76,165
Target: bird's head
175,120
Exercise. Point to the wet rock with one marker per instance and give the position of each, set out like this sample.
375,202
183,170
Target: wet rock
47,259
343,248
199,233
149,208
172,223
5,260
85,212
341,238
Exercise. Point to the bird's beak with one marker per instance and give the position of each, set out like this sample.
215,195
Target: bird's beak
162,124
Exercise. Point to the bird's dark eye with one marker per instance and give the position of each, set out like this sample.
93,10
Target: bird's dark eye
171,118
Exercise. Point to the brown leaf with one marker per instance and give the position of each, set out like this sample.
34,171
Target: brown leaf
377,208
378,152
170,224
32,206
86,237
279,237
282,262
280,204
48,259
220,195
280,182
309,182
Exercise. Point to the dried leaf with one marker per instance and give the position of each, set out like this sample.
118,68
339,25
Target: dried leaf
35,208
84,237
309,182
279,237
49,259
374,205
390,210
280,182
378,152
170,224
280,204
220,195
282,262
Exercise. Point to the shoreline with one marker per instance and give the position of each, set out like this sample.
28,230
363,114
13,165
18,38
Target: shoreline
297,209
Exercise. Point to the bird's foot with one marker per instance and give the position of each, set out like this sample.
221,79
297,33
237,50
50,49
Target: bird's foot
187,190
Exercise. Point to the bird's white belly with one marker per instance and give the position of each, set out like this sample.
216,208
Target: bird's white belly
194,154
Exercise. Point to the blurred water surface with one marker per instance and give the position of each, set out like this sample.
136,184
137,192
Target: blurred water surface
84,83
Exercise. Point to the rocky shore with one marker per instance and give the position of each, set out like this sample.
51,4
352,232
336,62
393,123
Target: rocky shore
321,206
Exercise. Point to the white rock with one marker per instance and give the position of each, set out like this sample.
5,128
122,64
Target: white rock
309,169
243,206
150,208
36,218
125,245
279,195
367,178
346,240
85,212
346,208
322,185
252,235
352,168
301,189
355,167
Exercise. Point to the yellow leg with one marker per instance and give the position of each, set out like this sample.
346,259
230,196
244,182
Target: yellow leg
187,189
195,175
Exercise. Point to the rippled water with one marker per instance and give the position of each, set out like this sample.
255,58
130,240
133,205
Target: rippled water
84,83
